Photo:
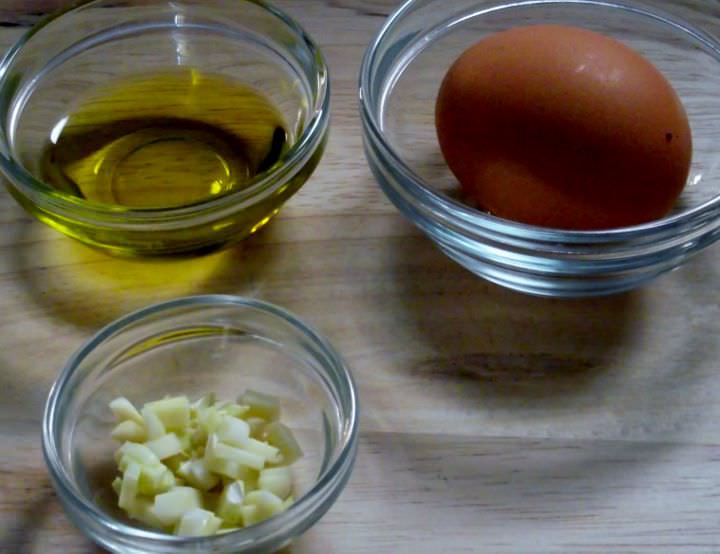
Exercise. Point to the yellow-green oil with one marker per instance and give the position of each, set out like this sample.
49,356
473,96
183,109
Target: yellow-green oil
164,140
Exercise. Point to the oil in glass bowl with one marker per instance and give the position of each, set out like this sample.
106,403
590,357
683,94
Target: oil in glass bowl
168,128
164,140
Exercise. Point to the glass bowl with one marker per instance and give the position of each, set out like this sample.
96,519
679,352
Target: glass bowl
47,74
399,81
194,346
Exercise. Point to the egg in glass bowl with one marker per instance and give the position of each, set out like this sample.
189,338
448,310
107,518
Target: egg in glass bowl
400,81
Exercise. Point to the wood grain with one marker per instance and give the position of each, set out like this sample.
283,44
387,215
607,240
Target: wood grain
491,422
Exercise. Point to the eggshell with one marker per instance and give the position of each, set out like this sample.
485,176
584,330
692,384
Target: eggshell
563,127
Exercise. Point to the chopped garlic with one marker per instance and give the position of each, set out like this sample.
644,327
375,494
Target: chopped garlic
165,446
280,436
236,410
170,506
155,479
174,413
129,487
141,510
198,523
123,410
250,515
132,451
198,475
202,403
117,485
210,419
233,431
260,405
230,502
277,480
266,503
129,430
216,450
202,468
155,427
262,449
257,427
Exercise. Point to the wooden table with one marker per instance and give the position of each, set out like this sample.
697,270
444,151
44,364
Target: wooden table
491,422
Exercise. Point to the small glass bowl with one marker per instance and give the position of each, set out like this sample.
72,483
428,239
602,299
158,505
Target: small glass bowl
194,346
43,76
399,81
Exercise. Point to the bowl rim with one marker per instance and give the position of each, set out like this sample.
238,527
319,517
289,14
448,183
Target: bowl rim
475,220
302,149
299,516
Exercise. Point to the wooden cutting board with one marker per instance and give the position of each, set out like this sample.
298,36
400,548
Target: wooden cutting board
491,422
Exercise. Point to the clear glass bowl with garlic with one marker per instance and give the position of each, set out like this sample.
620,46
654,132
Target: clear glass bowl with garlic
131,421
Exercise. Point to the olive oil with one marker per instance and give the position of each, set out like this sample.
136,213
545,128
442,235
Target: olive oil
164,140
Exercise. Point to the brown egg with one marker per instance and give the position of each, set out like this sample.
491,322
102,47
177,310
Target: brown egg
563,127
